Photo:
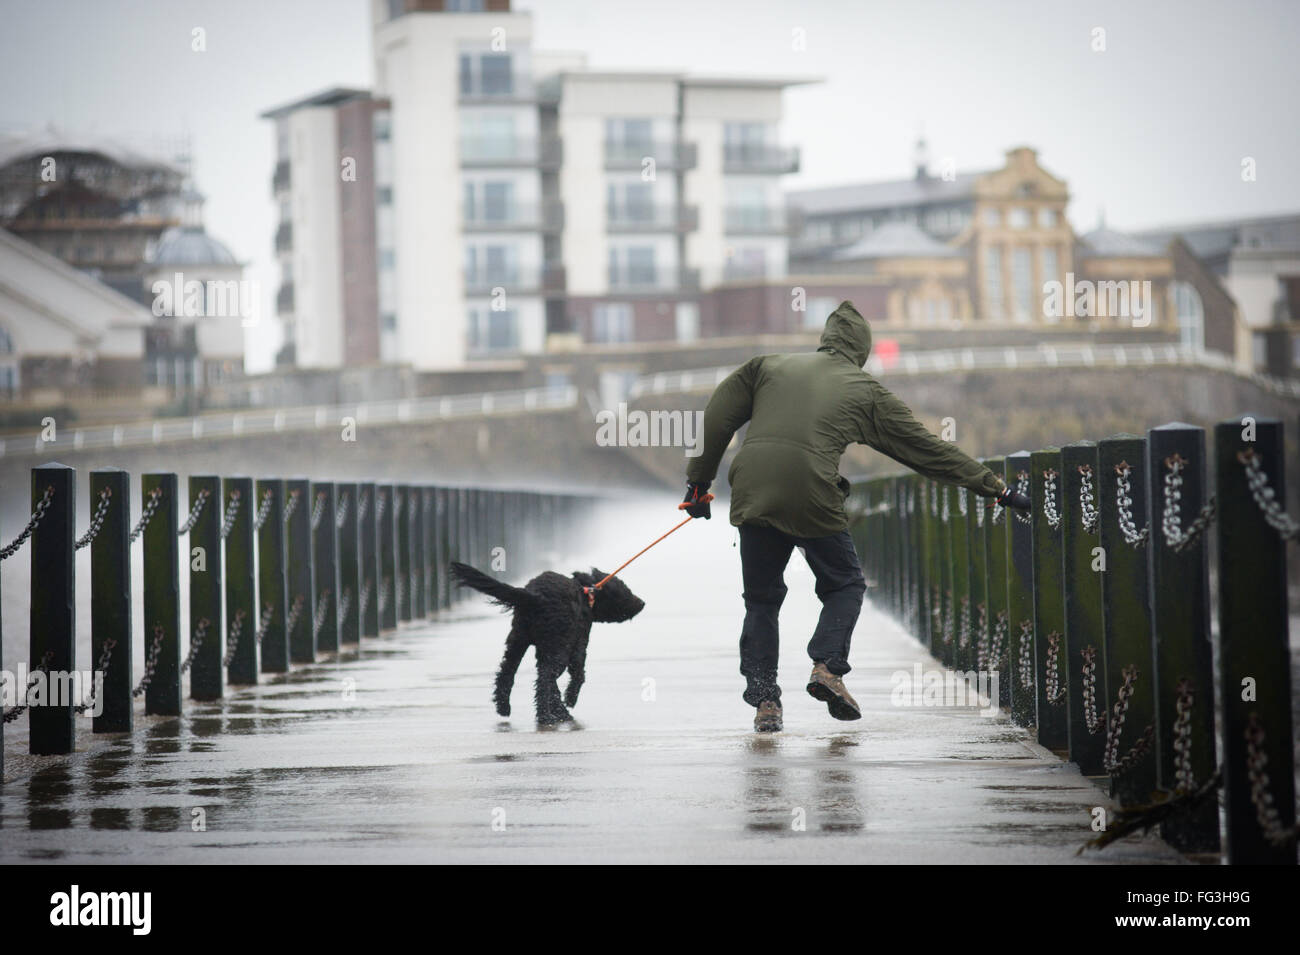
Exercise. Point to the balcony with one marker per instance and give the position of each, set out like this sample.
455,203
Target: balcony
652,218
280,180
630,280
508,88
546,216
499,152
632,155
775,160
515,281
554,279
756,220
284,299
284,237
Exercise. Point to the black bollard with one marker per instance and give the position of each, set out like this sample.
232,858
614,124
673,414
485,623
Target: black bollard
52,637
272,583
403,541
322,615
415,501
162,594
1021,644
1254,656
204,556
1085,638
1180,620
1049,600
934,570
367,528
240,654
110,599
387,558
299,569
995,562
349,564
1126,615
442,547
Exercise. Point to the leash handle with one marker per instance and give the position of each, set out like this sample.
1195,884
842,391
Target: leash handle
591,591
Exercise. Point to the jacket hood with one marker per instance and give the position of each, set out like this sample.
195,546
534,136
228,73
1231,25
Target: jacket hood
847,333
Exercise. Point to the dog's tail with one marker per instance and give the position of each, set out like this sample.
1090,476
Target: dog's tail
502,594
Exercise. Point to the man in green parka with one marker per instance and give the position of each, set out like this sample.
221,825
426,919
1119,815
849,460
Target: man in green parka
786,491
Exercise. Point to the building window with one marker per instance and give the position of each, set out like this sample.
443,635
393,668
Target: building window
1047,218
464,6
611,322
1018,217
388,322
492,330
1022,281
993,281
495,75
687,320
384,195
383,126
1191,316
992,217
634,135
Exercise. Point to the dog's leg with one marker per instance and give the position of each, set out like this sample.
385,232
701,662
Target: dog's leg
577,672
550,708
515,647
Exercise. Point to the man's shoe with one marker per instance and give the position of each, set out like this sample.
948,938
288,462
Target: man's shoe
826,686
767,719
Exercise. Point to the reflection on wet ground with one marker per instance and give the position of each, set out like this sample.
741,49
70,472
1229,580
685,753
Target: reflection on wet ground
394,753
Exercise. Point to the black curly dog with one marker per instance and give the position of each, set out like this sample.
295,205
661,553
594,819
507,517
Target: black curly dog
552,614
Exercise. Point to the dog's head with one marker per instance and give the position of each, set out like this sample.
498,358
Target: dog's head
614,601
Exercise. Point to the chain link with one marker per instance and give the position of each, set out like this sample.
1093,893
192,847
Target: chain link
1049,499
1022,487
232,637
317,509
381,506
963,502
1266,812
997,642
345,606
363,506
290,505
150,506
364,603
1182,731
1026,655
263,625
96,521
263,510
1113,764
232,511
1265,497
1087,505
38,512
14,712
341,517
105,657
1171,524
982,646
1055,692
943,507
320,613
295,614
195,511
385,594
963,625
1091,719
196,641
948,617
1124,507
151,661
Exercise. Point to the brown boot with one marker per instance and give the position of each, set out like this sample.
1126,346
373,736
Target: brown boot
826,686
767,718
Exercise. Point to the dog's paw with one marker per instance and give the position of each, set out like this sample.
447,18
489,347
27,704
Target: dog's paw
571,698
503,709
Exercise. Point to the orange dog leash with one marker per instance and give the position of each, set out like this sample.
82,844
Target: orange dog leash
591,591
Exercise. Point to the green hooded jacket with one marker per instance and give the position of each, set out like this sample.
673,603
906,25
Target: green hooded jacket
803,411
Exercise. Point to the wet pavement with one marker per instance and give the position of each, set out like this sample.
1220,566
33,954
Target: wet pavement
393,753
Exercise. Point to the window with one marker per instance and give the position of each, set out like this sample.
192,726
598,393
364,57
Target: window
492,330
1047,218
466,74
611,322
630,202
6,342
383,126
1022,281
496,77
1049,264
641,265
384,195
464,6
388,321
1191,316
632,133
687,319
1018,218
993,281
992,217
488,136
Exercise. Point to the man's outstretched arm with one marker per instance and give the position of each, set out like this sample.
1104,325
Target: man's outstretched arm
730,407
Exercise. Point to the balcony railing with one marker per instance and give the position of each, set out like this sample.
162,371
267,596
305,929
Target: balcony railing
519,281
652,218
628,279
516,87
546,216
284,237
752,220
498,151
779,160
284,299
632,155
280,180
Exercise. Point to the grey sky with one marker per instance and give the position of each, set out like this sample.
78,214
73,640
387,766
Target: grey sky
1154,129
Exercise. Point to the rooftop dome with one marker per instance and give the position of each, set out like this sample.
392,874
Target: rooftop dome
190,245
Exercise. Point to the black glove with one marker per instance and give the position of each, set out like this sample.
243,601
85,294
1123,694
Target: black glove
696,502
1010,497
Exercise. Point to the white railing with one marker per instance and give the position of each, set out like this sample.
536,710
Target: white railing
315,417
992,358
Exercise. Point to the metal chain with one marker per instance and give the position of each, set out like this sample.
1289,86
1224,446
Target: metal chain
14,712
1265,497
1171,524
341,517
195,511
1184,780
384,594
943,507
998,642
1026,655
1055,692
979,514
381,506
38,512
1022,486
295,614
317,509
319,614
364,603
1087,507
1049,499
1124,507
1266,812
963,626
400,594
1091,719
363,505
96,521
105,656
291,505
151,660
263,625
196,641
345,605
232,511
150,506
265,509
982,644
932,492
948,616
963,503
1113,764
232,637
399,504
